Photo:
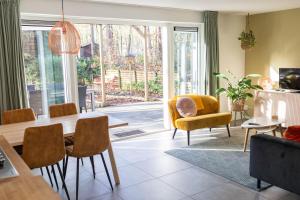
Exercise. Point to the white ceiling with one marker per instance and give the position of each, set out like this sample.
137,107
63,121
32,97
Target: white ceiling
238,6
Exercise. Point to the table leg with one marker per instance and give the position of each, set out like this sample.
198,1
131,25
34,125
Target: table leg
242,118
274,132
281,130
93,100
113,164
246,138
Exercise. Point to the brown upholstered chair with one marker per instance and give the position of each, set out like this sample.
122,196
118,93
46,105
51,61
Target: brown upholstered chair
17,116
44,146
91,138
60,110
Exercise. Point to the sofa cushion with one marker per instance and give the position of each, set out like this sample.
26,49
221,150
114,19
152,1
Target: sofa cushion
186,107
292,133
203,121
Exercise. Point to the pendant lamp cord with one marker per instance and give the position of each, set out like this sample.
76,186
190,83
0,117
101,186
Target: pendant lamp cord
62,8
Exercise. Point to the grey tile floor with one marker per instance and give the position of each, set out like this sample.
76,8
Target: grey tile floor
147,173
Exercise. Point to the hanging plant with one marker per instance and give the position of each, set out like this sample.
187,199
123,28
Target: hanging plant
247,37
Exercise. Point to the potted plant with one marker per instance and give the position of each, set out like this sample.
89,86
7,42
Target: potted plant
237,91
247,39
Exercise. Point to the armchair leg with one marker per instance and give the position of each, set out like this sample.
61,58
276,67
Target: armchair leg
228,130
258,184
188,137
174,133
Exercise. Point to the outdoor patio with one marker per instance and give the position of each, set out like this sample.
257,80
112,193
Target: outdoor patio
143,118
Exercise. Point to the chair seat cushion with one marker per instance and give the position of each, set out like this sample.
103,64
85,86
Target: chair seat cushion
292,133
203,121
186,107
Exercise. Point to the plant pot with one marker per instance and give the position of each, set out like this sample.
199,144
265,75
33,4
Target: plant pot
245,45
236,106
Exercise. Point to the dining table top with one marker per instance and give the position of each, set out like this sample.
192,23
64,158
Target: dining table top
14,133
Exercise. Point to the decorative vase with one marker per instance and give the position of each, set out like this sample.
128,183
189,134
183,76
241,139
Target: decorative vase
237,106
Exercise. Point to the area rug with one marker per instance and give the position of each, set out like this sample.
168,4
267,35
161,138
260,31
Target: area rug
220,155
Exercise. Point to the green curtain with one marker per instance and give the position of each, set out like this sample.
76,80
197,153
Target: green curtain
12,80
211,40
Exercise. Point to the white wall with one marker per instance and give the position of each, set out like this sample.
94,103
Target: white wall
97,11
232,57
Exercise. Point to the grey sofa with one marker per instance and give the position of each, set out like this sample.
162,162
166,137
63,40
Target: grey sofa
275,161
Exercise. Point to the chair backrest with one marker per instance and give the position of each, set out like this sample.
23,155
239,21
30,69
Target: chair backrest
43,145
18,115
60,110
91,136
82,95
210,104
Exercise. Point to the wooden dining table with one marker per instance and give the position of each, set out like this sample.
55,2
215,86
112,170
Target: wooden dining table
14,133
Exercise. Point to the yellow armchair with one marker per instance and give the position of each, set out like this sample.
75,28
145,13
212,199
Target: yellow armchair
208,115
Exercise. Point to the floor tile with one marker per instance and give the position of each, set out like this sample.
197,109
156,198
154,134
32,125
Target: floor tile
162,165
228,192
192,181
275,193
129,175
150,190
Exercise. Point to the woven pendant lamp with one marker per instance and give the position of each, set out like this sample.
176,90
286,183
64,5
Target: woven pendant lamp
63,37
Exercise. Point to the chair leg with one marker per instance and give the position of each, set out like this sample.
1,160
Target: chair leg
80,110
49,176
54,175
188,137
93,166
106,170
234,118
174,133
65,167
42,172
63,181
85,109
81,161
210,129
77,178
228,130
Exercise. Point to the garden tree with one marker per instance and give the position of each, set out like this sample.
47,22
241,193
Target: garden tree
145,36
32,70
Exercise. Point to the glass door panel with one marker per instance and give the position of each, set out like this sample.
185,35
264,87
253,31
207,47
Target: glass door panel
44,71
186,68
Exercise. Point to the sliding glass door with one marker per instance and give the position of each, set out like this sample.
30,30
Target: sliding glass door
186,67
44,71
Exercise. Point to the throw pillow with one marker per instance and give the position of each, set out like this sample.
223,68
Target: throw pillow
197,99
186,107
292,133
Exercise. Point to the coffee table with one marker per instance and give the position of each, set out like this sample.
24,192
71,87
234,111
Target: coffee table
261,125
